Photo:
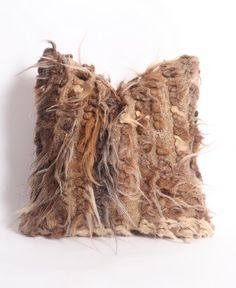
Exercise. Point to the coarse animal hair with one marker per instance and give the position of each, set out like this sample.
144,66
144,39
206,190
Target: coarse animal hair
116,162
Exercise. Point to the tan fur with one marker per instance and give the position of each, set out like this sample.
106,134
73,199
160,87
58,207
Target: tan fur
116,162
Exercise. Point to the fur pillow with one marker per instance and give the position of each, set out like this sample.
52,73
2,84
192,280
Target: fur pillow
116,162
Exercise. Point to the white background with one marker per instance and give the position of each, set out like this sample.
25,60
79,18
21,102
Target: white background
119,37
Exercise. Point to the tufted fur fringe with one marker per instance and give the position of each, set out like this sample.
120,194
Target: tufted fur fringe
116,162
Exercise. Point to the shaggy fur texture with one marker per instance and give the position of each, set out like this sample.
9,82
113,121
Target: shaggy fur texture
116,162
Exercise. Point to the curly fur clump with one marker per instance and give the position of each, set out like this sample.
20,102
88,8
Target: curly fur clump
116,162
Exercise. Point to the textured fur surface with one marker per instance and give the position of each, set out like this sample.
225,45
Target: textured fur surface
116,162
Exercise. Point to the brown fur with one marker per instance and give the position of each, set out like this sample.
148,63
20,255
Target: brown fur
116,162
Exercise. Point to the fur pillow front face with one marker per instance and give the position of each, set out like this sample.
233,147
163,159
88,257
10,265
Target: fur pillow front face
116,162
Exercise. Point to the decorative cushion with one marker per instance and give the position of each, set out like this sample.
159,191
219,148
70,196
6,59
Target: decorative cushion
116,162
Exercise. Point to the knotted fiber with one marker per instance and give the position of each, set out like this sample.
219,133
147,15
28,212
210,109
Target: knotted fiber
116,162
